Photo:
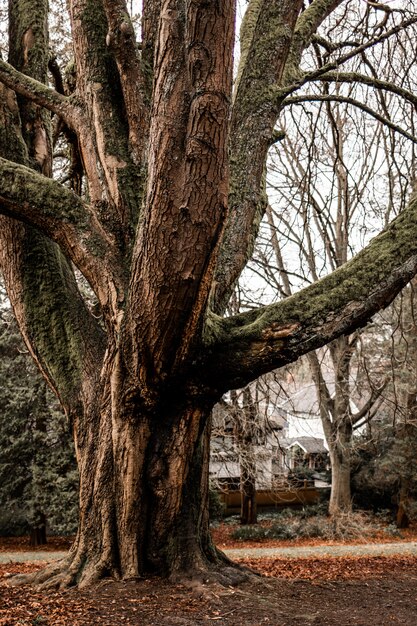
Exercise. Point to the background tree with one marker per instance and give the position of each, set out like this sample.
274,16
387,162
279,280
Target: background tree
387,462
335,178
173,169
243,427
38,474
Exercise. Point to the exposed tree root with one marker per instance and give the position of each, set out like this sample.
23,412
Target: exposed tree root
225,577
78,570
74,570
220,570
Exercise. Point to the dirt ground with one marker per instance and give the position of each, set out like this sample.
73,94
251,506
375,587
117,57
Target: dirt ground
372,591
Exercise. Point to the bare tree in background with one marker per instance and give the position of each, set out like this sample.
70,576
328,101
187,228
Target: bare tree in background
334,180
404,398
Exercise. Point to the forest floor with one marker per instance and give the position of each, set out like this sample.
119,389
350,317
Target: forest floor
318,591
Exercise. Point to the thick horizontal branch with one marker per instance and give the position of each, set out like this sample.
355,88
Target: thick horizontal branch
242,347
39,201
353,102
37,92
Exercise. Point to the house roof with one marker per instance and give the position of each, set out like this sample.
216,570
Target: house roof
303,401
310,445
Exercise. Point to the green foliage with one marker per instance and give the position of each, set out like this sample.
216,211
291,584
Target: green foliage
299,475
13,522
38,473
383,465
279,530
216,507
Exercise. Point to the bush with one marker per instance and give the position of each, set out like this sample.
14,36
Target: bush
13,523
299,475
258,533
357,525
216,506
315,509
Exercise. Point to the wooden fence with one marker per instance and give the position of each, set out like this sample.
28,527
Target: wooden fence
271,499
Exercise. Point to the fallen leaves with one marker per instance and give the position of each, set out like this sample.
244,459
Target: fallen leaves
332,568
360,587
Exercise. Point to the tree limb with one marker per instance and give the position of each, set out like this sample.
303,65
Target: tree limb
39,201
266,33
306,26
244,346
370,81
150,19
65,340
121,39
332,65
37,92
375,394
326,403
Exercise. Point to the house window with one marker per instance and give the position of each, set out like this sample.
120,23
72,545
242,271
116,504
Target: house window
298,457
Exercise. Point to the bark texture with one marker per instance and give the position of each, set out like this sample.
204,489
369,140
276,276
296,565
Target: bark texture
170,167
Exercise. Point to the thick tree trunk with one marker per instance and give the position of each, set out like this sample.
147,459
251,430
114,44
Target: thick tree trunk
143,495
402,519
340,495
154,236
248,511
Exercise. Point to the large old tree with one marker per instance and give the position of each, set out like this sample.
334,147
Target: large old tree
165,194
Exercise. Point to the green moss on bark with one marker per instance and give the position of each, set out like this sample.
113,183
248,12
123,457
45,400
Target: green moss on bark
375,275
52,317
29,52
28,37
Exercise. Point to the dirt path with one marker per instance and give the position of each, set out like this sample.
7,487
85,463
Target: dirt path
296,552
32,557
308,552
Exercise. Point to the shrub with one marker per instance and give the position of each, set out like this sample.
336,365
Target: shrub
256,533
13,523
358,525
216,506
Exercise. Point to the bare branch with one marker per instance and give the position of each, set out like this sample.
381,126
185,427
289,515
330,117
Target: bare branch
332,65
247,345
376,393
354,102
371,81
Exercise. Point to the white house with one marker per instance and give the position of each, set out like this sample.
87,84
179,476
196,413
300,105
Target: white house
284,437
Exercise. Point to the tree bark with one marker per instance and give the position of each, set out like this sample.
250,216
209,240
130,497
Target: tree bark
143,492
248,511
402,519
37,535
340,494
